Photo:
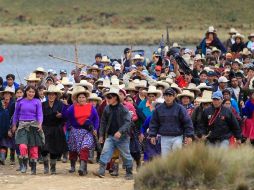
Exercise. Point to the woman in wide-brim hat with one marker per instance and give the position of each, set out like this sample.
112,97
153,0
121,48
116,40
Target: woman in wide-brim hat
55,142
94,70
239,44
7,140
95,99
84,121
193,88
146,105
211,40
32,79
186,98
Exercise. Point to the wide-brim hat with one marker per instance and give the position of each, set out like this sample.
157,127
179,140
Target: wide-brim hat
94,96
203,86
245,51
206,97
140,84
131,87
153,90
176,88
32,77
137,57
66,82
215,49
113,90
79,90
40,69
168,80
199,57
238,35
93,67
186,93
232,31
53,89
105,59
211,29
7,90
251,36
192,87
161,83
86,84
99,80
106,84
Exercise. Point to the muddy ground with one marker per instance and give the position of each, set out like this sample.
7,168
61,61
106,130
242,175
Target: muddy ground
11,179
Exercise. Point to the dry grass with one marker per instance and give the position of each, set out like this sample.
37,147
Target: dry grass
200,167
119,21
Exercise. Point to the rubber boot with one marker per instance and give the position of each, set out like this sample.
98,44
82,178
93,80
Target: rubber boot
91,156
82,168
2,158
12,157
33,167
20,164
24,165
53,166
129,175
73,166
138,162
101,171
115,168
65,157
46,165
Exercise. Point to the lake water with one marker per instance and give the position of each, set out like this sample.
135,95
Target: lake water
23,59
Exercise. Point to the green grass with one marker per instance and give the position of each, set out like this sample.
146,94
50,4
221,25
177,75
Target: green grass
200,167
186,19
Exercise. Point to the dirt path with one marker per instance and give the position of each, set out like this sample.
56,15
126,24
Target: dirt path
10,179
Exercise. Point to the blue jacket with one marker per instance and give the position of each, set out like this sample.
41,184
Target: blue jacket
16,85
215,43
248,109
171,121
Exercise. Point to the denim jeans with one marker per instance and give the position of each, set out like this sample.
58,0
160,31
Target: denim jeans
168,144
122,144
221,144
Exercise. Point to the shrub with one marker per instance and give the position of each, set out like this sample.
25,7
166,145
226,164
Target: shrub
199,167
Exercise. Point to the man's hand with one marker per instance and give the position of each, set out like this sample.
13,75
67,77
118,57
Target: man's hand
58,115
153,140
141,138
101,140
187,140
117,135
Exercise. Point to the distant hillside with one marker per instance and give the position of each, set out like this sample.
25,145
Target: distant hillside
119,21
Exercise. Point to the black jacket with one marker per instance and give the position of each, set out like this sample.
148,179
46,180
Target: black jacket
123,120
171,121
224,126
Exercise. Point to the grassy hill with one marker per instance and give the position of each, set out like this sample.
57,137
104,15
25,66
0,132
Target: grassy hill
119,21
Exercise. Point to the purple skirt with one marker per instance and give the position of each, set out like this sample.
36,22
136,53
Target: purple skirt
80,139
8,142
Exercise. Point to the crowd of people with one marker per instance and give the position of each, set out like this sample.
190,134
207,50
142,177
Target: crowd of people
130,110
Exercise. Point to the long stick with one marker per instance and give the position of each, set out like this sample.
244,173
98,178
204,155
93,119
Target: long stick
18,76
69,61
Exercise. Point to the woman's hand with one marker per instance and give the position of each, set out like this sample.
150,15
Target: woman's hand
39,127
14,128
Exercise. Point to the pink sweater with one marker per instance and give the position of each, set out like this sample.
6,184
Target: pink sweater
28,110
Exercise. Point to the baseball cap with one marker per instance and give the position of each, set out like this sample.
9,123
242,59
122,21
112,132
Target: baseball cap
217,95
63,71
117,67
169,91
157,68
222,79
